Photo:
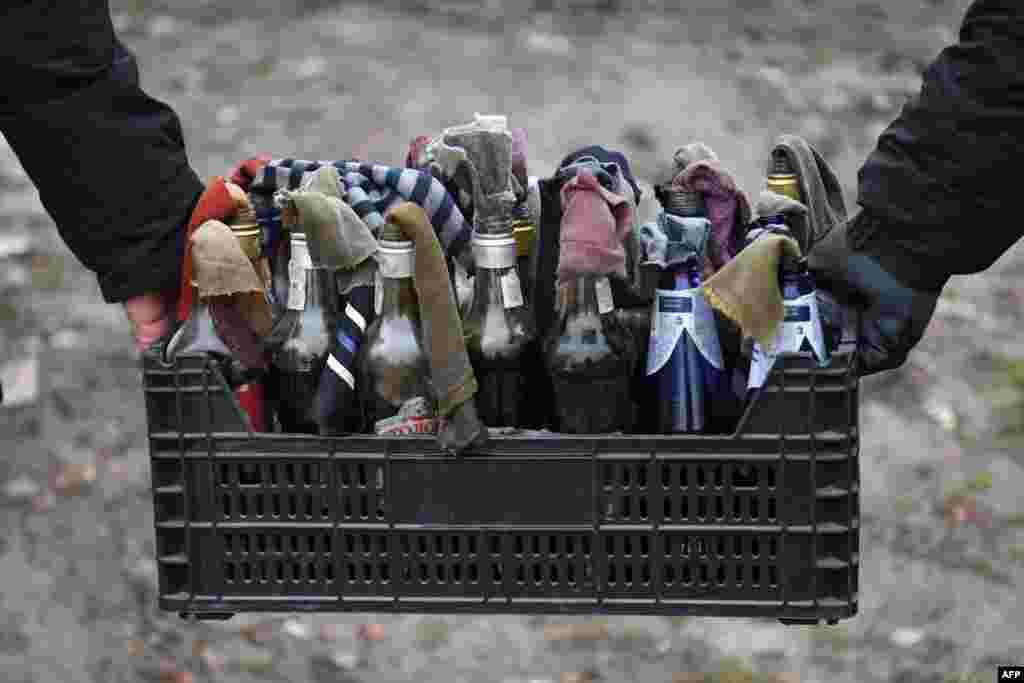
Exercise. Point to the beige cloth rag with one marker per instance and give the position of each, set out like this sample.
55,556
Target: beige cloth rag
223,269
746,289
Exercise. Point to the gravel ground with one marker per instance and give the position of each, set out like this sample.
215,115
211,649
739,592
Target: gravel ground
942,530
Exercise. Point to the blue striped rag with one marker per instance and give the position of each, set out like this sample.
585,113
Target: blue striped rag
336,398
371,190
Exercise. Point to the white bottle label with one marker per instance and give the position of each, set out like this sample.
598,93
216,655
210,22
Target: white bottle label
800,321
675,312
605,300
511,292
296,287
378,292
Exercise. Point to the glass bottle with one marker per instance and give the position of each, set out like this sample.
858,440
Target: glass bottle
684,359
198,335
782,177
801,331
301,340
394,368
766,225
498,328
525,234
590,355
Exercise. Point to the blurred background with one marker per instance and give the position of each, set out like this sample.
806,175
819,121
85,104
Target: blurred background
942,449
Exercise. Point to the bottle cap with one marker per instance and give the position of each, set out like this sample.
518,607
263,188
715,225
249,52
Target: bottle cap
525,235
396,260
493,252
679,201
782,178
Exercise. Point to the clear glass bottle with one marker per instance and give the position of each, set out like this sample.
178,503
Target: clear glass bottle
590,355
394,368
301,340
498,328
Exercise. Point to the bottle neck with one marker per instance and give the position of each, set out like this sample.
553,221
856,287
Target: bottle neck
398,298
579,296
311,287
797,283
398,291
494,256
682,276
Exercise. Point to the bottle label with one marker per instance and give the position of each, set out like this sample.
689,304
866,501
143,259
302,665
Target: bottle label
414,417
296,287
678,311
801,322
605,300
511,292
378,292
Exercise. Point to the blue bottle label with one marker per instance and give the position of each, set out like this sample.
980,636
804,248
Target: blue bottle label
676,312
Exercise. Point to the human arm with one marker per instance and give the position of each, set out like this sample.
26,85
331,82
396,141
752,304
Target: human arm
938,190
108,160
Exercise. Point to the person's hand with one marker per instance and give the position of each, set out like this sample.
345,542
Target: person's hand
893,315
151,317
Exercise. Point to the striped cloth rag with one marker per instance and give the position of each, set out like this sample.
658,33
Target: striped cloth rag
336,399
371,190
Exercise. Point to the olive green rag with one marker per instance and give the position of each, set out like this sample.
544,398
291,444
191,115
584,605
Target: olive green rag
337,236
746,289
223,269
452,377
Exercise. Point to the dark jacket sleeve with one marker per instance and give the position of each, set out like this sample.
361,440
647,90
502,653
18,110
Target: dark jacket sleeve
108,160
945,176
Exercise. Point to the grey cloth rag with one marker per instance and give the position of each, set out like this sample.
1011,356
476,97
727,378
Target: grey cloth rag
488,153
669,241
337,236
686,155
772,204
819,186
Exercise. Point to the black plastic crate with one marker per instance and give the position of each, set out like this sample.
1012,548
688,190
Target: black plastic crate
760,523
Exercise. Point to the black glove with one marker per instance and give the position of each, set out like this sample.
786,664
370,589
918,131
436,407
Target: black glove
894,316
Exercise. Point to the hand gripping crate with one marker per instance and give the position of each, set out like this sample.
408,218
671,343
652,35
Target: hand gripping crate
760,523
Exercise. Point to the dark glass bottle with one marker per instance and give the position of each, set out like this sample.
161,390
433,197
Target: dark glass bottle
684,361
525,233
498,329
301,340
590,355
801,331
394,368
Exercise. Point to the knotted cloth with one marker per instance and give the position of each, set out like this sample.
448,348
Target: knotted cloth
746,289
821,191
727,206
595,223
370,189
222,269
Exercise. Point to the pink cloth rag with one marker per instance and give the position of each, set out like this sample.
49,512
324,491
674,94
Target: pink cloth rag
595,222
728,208
414,157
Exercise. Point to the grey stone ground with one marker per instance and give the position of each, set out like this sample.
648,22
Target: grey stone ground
327,81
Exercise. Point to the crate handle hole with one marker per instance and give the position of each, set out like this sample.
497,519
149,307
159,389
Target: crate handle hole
249,474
